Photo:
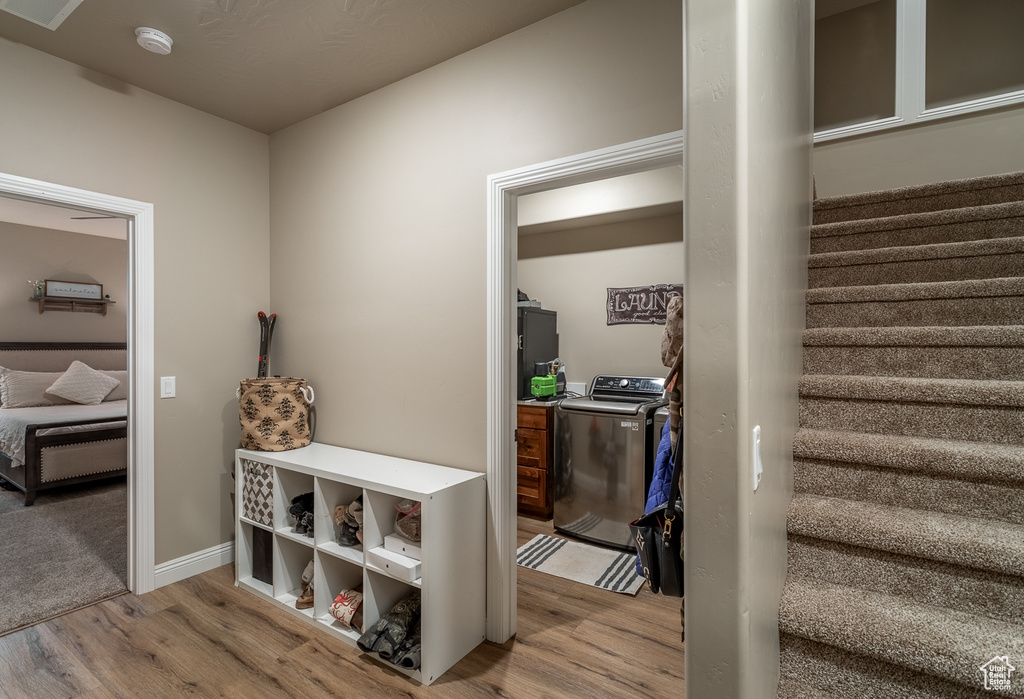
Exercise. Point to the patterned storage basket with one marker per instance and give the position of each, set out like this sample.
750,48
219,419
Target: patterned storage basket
258,492
275,413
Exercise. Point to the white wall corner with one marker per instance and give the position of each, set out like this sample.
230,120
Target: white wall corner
195,563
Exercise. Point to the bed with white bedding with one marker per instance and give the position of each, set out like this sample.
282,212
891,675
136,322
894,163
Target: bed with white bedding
63,414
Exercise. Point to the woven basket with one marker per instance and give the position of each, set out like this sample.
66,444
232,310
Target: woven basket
274,413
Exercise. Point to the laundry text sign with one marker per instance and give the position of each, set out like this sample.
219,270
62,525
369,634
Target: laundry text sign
640,304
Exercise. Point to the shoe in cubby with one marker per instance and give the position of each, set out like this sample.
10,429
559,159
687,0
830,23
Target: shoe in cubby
334,536
294,492
340,607
291,560
396,633
381,512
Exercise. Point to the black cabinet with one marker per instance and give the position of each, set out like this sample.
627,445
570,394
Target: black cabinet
538,342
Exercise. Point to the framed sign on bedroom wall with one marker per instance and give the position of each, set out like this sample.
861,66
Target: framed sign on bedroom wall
72,290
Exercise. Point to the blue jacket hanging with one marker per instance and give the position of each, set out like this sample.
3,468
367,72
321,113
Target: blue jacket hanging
661,479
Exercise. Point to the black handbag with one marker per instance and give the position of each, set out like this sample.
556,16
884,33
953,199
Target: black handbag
659,536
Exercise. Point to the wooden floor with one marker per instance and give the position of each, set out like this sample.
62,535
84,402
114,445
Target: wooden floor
202,637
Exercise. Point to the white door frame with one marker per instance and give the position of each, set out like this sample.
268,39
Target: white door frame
502,259
141,554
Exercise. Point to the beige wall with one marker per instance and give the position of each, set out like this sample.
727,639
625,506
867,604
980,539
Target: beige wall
855,65
969,146
208,182
378,216
42,253
570,272
748,191
973,50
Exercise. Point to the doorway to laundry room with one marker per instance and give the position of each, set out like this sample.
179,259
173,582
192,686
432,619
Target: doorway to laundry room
600,261
596,264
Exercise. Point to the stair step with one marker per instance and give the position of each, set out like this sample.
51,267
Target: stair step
909,489
932,336
842,675
974,302
957,409
973,461
964,352
978,223
911,389
920,580
793,689
906,528
977,191
944,643
996,547
940,262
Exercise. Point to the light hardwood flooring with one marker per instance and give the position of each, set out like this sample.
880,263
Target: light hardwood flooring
202,637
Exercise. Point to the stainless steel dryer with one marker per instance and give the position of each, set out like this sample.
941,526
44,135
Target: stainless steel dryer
603,458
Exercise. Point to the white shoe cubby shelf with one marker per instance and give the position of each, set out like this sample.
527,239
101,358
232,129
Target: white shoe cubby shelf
452,580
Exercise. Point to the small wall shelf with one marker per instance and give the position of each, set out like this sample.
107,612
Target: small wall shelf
73,305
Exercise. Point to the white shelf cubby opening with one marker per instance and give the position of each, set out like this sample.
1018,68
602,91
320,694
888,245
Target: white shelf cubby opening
334,576
382,592
290,561
244,559
379,514
289,485
330,494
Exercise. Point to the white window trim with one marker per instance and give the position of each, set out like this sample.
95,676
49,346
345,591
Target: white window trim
910,82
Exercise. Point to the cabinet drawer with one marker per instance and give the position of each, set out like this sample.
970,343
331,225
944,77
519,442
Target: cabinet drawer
532,489
534,417
531,448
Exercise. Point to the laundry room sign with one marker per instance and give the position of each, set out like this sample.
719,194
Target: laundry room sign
641,304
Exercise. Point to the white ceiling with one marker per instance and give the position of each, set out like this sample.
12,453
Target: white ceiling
614,200
268,64
28,213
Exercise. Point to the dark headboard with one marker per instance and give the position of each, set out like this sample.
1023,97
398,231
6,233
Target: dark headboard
57,356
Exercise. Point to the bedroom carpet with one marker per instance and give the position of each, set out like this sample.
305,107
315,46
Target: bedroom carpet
67,551
906,528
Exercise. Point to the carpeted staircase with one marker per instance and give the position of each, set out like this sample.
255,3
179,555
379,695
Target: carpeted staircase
906,529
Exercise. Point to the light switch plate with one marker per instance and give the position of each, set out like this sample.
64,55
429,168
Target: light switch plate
167,387
758,467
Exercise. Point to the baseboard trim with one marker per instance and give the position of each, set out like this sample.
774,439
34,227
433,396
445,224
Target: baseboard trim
194,563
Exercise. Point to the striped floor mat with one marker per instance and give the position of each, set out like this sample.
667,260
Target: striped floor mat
609,570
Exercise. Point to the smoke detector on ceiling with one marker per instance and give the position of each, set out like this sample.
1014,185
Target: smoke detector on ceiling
47,14
154,40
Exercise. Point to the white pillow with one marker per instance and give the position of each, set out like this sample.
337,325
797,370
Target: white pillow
121,391
83,384
27,389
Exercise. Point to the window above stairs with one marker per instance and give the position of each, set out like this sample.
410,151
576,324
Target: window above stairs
882,64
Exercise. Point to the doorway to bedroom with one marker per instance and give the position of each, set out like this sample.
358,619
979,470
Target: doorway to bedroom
64,352
140,304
